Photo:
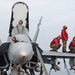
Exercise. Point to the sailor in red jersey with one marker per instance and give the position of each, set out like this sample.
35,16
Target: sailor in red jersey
64,36
72,50
72,45
55,44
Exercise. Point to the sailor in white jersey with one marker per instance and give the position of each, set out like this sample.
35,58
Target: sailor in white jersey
19,29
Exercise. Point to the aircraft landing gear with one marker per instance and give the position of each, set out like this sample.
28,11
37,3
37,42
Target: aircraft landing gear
3,72
41,72
19,70
32,72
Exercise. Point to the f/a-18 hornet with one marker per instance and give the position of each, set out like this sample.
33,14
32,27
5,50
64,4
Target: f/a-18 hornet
20,52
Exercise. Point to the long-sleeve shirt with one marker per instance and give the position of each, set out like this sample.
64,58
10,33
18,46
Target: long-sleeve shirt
64,35
72,43
55,41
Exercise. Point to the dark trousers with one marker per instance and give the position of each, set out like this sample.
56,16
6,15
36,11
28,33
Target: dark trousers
55,47
72,48
64,45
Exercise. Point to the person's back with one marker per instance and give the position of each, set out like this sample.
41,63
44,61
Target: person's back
54,41
55,44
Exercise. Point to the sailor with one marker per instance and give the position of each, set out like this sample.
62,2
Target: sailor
19,29
55,44
72,50
72,45
64,36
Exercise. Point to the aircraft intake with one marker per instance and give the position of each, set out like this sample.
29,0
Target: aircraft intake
3,62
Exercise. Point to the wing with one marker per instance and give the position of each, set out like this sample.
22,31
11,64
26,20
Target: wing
49,54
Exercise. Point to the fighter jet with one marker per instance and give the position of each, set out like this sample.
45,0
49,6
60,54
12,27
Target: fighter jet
20,52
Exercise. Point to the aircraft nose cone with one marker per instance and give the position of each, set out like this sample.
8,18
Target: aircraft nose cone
22,54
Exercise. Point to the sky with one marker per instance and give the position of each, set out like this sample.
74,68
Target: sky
56,13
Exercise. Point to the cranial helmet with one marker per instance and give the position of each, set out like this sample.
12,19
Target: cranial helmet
74,38
59,36
64,26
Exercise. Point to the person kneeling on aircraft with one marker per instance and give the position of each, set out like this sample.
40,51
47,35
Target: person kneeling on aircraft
55,45
72,50
72,45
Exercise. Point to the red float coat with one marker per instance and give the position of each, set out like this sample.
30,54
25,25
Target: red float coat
64,35
55,41
72,43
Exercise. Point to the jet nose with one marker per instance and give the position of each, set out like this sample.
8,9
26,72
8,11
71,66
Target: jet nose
22,54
